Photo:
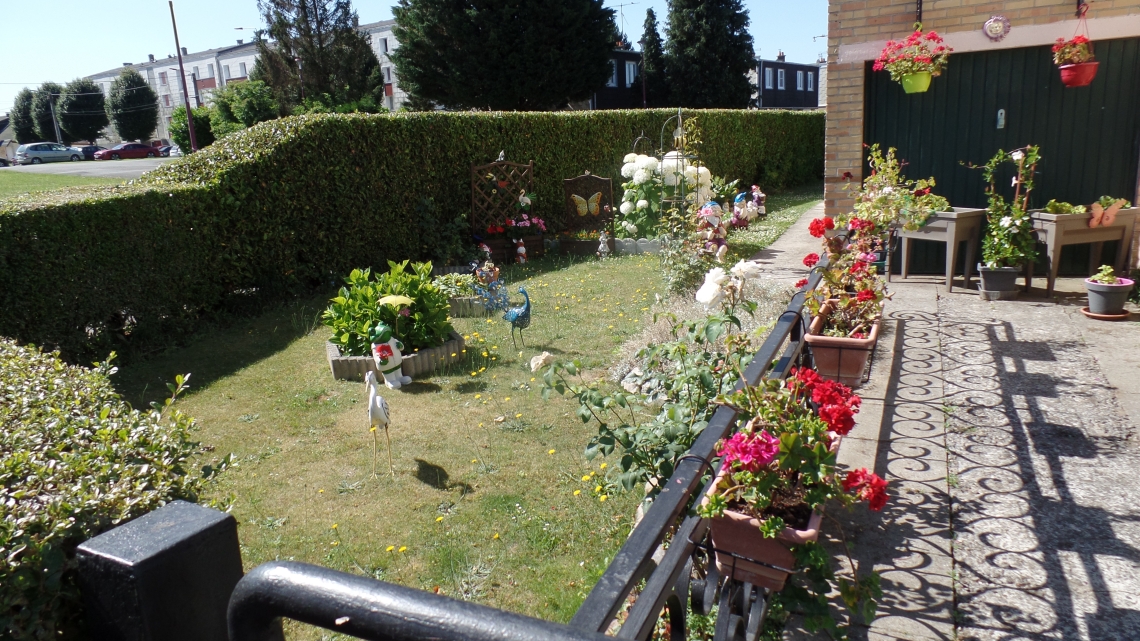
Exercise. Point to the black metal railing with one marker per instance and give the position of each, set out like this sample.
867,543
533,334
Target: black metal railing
371,609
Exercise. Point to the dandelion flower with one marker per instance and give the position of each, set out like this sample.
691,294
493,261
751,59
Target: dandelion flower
603,498
551,452
478,396
602,466
335,543
577,492
438,519
598,489
496,535
403,548
586,477
519,415
390,548
480,425
475,460
320,491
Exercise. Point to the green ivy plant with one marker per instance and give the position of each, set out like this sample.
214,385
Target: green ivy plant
355,310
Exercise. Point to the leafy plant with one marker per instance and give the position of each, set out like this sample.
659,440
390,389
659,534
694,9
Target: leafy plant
889,200
203,128
1060,208
456,285
444,238
75,460
356,310
1009,240
1106,276
1074,51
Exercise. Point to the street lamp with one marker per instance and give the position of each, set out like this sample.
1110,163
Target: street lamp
182,77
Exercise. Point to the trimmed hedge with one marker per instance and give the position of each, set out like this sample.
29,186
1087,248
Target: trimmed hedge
75,460
294,204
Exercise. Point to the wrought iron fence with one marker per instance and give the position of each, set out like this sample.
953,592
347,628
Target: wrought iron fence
371,609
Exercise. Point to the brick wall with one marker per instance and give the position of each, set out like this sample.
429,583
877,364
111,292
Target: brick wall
858,29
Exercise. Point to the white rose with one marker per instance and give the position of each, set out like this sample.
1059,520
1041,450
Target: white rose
746,269
628,169
710,294
642,204
640,177
626,207
630,157
716,275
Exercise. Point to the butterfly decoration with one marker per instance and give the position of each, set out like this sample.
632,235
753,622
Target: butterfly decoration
1100,215
592,205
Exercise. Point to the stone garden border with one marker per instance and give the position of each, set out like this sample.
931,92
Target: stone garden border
415,364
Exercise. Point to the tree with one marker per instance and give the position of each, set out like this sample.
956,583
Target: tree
133,106
45,100
247,103
709,54
653,64
82,111
180,130
23,125
506,54
335,57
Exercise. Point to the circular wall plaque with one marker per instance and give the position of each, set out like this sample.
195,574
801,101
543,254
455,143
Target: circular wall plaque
996,27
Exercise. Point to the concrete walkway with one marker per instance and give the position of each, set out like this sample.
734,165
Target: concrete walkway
1014,468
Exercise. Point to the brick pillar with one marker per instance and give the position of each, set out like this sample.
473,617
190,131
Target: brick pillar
844,134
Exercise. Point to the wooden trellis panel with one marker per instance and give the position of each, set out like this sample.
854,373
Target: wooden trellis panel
495,199
587,187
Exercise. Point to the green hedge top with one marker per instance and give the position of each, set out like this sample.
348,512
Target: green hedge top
75,460
294,204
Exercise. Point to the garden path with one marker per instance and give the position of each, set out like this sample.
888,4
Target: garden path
1012,467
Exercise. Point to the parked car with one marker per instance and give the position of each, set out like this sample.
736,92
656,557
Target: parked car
127,150
175,151
38,152
164,150
90,150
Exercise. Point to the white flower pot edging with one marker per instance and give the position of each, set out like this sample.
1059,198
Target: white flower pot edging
425,361
640,246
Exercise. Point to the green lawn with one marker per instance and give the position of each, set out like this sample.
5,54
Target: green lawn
492,500
13,183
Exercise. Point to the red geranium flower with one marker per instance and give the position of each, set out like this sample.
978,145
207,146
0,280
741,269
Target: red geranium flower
811,259
858,267
819,226
865,295
800,283
867,486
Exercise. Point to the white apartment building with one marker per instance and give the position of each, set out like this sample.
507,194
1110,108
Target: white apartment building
205,71
214,68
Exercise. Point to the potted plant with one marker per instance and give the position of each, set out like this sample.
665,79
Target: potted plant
461,297
914,61
1074,57
1009,243
524,226
776,476
421,326
844,331
1107,293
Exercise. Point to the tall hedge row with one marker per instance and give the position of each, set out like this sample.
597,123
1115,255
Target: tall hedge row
292,204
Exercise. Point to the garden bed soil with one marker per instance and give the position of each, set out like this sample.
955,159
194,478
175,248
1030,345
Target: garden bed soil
415,364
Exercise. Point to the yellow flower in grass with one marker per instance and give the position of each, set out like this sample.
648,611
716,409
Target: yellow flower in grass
603,498
577,492
586,477
602,466
438,519
390,548
551,452
598,489
403,548
478,396
334,526
496,535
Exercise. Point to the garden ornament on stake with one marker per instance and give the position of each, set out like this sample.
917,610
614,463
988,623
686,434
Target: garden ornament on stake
520,251
386,351
519,317
378,416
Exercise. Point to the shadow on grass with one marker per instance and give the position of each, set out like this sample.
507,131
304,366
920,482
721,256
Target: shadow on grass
216,352
437,477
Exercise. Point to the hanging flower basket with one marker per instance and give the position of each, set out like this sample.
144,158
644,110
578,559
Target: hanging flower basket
1074,57
914,61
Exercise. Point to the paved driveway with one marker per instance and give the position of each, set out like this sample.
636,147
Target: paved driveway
96,168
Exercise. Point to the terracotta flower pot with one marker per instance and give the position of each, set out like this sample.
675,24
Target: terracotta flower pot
916,82
1078,75
840,359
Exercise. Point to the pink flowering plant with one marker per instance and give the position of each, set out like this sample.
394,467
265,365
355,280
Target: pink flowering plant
918,53
781,465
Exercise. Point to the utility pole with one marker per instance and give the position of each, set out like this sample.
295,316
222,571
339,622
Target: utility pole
300,77
182,77
54,120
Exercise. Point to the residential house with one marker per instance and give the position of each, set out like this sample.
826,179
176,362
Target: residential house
384,43
1000,90
785,85
622,91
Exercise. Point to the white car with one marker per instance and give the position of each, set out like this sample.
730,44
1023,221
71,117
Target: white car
175,151
39,152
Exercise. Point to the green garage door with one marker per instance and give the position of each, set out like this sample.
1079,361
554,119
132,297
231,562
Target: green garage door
1089,136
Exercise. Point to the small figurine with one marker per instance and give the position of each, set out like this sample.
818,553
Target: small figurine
519,317
488,273
387,353
485,250
758,199
711,229
489,288
603,245
520,251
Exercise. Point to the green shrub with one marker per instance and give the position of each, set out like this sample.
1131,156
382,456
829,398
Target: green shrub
75,460
283,207
456,285
354,311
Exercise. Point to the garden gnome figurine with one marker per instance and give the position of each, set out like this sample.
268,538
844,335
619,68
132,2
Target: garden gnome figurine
520,251
386,352
603,245
711,229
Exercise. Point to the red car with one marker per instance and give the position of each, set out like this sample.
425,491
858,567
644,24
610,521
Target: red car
127,150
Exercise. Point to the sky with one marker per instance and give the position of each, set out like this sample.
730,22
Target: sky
89,36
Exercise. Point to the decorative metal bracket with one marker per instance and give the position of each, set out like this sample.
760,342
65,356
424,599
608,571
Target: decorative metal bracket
918,11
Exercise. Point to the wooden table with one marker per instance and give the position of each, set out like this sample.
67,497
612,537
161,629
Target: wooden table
1058,230
950,227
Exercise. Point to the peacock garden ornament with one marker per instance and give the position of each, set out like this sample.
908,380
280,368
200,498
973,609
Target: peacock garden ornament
378,417
386,352
519,317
